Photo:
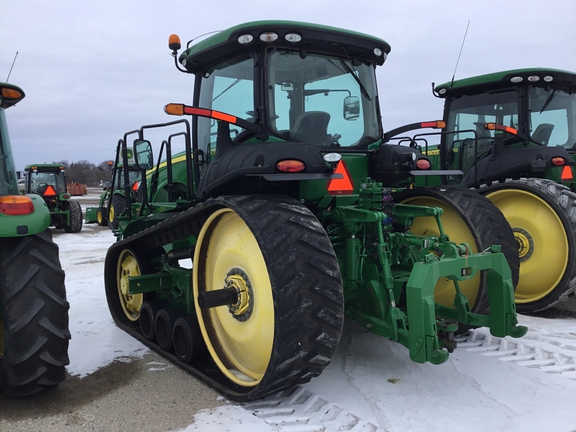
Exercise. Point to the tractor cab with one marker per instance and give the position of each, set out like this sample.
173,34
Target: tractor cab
48,181
510,124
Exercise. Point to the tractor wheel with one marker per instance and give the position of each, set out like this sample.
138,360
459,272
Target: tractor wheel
117,206
101,218
34,331
286,320
126,306
75,217
467,218
542,215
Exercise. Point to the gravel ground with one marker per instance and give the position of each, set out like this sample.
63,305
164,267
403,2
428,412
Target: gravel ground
146,394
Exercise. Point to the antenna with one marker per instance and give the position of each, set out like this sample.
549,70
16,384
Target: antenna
460,53
13,61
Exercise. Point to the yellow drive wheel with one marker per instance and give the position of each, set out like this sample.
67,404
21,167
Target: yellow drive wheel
240,336
539,213
467,218
128,266
263,334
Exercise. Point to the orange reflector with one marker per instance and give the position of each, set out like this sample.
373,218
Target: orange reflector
50,191
566,173
494,126
439,124
290,166
174,109
225,117
341,186
423,164
16,205
558,161
135,186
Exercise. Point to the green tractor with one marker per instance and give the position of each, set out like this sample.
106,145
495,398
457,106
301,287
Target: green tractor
243,255
34,331
113,203
513,136
49,181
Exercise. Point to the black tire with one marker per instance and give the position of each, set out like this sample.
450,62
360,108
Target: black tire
35,315
542,215
468,217
300,302
117,207
75,211
101,217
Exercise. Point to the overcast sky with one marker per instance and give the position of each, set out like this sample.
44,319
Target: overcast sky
93,70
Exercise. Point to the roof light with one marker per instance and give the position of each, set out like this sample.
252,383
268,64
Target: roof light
16,205
423,164
558,161
442,91
516,79
10,93
245,39
533,78
566,173
293,37
268,37
174,42
377,52
290,165
548,78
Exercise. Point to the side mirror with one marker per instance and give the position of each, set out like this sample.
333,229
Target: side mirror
143,150
351,108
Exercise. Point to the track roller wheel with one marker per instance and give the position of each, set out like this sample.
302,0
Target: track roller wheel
187,339
285,321
467,218
148,313
542,215
163,324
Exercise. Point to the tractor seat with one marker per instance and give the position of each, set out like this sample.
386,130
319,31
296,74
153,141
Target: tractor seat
542,133
311,127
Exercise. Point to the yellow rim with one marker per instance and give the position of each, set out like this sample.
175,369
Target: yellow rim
99,216
111,214
542,242
458,232
131,303
239,337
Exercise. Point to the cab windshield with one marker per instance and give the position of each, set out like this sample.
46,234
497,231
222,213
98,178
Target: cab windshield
321,100
314,99
8,185
39,182
552,117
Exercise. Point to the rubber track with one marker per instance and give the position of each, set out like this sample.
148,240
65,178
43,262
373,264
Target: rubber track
304,272
486,222
35,315
563,200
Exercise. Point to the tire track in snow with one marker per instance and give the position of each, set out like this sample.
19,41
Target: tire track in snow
299,410
550,352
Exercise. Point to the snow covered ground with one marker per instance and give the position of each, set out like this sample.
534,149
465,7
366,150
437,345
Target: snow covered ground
488,384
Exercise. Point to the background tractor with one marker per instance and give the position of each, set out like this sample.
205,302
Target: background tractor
33,308
49,181
245,252
113,203
513,134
